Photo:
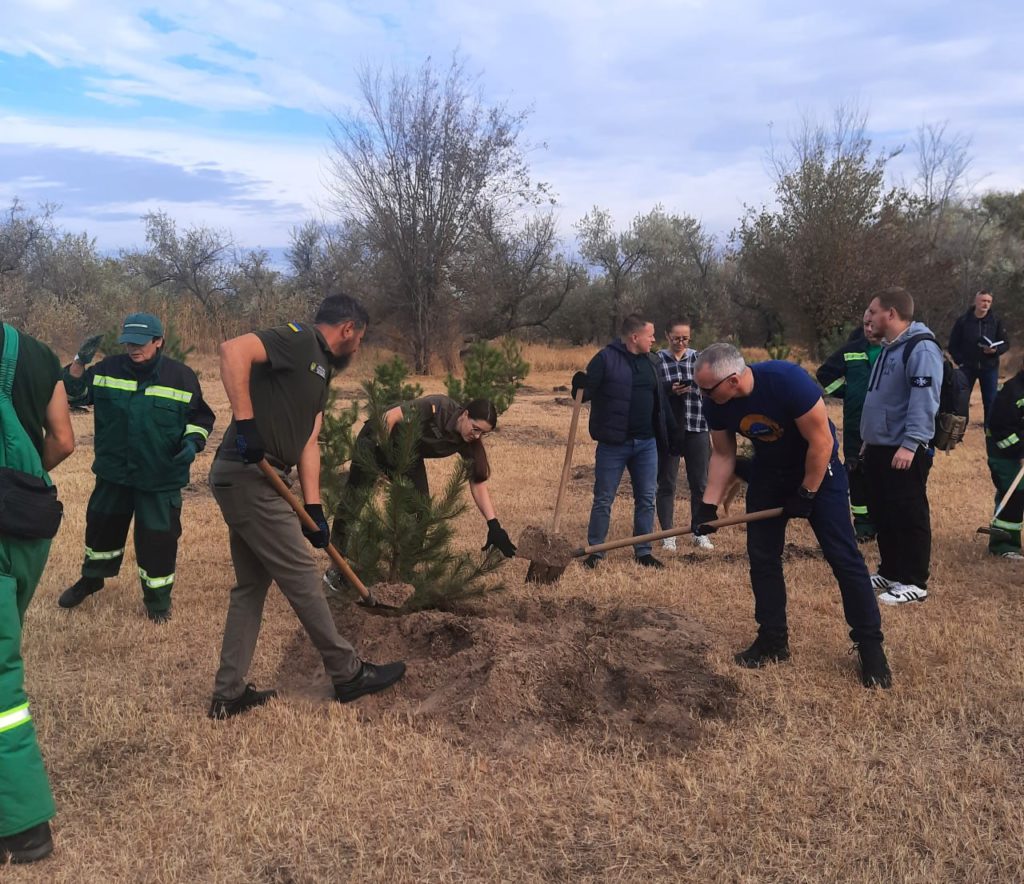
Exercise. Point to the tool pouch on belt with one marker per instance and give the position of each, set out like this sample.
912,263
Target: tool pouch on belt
29,509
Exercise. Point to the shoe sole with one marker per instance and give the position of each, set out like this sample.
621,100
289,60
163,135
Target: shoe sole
224,714
376,689
30,855
892,603
760,663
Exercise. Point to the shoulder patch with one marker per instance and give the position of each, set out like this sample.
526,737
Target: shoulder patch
295,327
318,369
921,381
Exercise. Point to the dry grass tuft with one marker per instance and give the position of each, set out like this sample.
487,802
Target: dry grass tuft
809,778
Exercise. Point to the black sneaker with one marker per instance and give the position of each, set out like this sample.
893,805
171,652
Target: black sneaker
27,846
79,592
874,668
648,561
250,699
159,617
370,678
591,561
765,649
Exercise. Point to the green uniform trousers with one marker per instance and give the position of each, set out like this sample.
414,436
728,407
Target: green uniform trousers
1004,470
25,798
157,529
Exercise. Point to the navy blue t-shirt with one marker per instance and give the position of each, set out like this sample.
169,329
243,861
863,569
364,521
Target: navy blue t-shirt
767,417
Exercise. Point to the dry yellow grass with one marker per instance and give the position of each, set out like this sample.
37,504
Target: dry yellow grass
815,779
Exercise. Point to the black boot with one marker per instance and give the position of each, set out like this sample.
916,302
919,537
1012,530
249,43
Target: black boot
27,846
75,595
768,647
368,680
874,668
250,699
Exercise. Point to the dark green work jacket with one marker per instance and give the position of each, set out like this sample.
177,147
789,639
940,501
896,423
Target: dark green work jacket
141,419
845,375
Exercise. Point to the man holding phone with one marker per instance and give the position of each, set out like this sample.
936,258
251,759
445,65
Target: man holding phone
692,440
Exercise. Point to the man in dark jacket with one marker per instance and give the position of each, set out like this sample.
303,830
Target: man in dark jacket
630,421
977,341
1005,445
151,421
845,375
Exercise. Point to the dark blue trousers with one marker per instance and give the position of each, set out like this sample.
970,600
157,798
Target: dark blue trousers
830,521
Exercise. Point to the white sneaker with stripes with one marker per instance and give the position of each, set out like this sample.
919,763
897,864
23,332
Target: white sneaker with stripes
878,582
669,543
901,593
1012,556
702,541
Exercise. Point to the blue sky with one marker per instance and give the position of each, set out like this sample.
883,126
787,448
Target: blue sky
217,112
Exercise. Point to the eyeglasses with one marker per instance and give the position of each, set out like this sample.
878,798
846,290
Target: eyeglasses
678,338
478,432
707,391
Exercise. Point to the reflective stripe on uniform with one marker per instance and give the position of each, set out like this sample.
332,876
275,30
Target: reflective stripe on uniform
855,357
858,510
1006,526
1012,439
1020,403
11,718
102,380
835,385
103,555
155,582
195,428
169,393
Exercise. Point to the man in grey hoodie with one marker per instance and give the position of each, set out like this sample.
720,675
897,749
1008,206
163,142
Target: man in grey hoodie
897,426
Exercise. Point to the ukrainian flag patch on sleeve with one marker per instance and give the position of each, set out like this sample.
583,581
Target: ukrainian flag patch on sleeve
294,327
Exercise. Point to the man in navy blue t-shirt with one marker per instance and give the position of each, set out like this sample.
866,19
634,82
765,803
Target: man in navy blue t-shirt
779,408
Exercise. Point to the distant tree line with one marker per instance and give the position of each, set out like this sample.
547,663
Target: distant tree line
436,223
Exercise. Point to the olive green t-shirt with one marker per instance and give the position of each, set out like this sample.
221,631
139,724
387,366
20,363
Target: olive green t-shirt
439,416
288,391
36,375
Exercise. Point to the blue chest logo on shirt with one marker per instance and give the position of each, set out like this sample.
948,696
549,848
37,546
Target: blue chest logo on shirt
760,428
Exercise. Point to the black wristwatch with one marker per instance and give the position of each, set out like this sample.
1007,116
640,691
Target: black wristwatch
805,494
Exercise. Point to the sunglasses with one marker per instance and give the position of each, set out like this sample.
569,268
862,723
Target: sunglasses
707,391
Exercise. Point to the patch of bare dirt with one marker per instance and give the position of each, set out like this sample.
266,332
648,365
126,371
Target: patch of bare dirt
528,434
505,678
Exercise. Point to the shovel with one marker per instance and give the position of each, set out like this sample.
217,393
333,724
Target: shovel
999,533
759,516
367,599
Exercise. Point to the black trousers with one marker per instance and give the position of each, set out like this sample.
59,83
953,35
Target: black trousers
898,503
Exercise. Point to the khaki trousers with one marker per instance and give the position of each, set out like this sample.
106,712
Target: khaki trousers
267,545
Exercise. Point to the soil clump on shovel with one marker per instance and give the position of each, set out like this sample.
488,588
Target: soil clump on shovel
502,678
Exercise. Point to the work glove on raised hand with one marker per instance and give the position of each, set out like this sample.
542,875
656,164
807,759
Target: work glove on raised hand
248,441
186,454
87,349
579,381
798,505
497,537
706,512
322,536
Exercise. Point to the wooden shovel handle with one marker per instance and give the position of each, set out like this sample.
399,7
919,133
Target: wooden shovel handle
307,521
577,404
759,516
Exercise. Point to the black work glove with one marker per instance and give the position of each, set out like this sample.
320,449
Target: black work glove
87,349
798,505
853,464
498,537
187,454
248,441
322,536
706,512
579,381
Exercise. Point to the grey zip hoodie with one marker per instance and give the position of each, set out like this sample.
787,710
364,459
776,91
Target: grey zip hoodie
902,401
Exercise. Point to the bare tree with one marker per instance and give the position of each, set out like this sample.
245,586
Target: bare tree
941,181
618,254
415,169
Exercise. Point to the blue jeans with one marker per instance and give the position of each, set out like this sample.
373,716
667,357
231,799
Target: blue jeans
830,521
640,457
988,379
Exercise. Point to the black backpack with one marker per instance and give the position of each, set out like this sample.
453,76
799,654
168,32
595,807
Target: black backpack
954,398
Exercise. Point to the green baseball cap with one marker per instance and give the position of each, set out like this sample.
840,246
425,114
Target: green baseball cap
140,328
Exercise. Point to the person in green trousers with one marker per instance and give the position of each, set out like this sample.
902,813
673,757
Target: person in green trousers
35,436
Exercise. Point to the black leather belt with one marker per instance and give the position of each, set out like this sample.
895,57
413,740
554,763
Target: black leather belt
235,457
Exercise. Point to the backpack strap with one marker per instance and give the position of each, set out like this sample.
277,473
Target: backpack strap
913,341
9,361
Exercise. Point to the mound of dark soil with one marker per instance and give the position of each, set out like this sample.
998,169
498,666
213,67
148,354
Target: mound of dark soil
501,679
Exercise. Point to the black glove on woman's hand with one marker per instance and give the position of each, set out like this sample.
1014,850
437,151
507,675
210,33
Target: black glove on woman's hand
322,536
248,441
498,537
87,349
706,512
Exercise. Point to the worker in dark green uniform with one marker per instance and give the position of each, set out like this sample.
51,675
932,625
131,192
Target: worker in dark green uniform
35,436
1005,444
151,421
845,375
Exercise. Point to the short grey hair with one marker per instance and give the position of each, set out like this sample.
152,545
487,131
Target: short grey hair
721,360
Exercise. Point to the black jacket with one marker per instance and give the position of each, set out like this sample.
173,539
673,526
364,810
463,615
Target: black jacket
966,336
1006,419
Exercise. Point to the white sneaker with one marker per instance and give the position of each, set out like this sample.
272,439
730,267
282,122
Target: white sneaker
669,543
878,582
702,541
1012,556
901,593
